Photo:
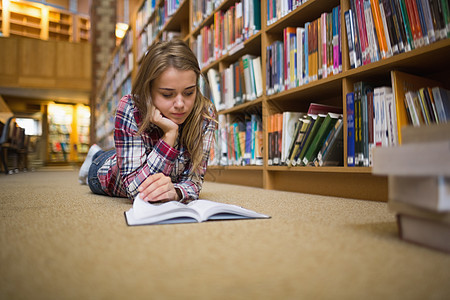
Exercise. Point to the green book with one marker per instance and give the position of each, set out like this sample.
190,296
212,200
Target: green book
303,134
319,137
409,36
311,135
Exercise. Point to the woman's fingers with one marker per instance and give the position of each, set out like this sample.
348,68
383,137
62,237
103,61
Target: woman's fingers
157,187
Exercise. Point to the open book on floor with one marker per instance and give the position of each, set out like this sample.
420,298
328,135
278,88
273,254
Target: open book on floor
145,213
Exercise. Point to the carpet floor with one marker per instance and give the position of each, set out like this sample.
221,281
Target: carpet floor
60,241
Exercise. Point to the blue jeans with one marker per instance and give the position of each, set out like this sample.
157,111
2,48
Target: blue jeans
97,162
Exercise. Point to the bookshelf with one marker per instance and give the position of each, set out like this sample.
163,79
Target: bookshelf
60,25
36,20
116,83
192,20
83,27
25,19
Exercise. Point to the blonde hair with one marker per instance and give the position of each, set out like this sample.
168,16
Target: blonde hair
178,55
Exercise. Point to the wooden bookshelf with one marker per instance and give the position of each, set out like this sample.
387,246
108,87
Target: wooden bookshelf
36,20
342,181
116,82
83,27
25,19
60,25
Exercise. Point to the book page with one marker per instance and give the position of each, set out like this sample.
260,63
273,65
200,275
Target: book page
144,212
210,210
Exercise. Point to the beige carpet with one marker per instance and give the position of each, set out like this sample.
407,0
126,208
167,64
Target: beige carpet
59,241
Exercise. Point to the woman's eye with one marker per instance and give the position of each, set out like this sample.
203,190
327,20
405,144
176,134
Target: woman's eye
167,95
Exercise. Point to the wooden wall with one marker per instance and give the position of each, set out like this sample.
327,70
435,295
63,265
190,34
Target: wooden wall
33,63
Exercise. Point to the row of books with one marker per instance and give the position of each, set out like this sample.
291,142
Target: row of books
228,31
144,13
151,20
149,32
428,105
376,115
276,9
244,16
306,53
419,184
313,138
378,29
238,83
121,65
202,9
238,142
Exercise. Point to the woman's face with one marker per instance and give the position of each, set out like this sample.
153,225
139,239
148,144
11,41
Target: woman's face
174,92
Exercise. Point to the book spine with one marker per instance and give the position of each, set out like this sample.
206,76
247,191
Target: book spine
446,15
336,22
364,130
306,48
362,32
350,39
379,28
407,25
428,20
350,101
323,27
300,55
371,32
421,17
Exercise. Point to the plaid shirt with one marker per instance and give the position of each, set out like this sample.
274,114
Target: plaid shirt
138,156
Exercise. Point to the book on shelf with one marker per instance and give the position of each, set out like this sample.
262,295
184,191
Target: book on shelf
428,192
305,54
239,141
275,138
401,84
380,121
363,92
145,213
378,29
229,29
319,138
241,81
214,83
332,151
290,123
256,63
441,98
355,61
361,116
350,105
309,137
318,108
277,9
303,128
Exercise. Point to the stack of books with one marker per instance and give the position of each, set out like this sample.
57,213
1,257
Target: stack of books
419,184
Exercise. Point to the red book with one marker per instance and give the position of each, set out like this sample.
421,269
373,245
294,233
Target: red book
316,108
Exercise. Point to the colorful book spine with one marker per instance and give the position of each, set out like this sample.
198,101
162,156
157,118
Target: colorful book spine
350,102
350,38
